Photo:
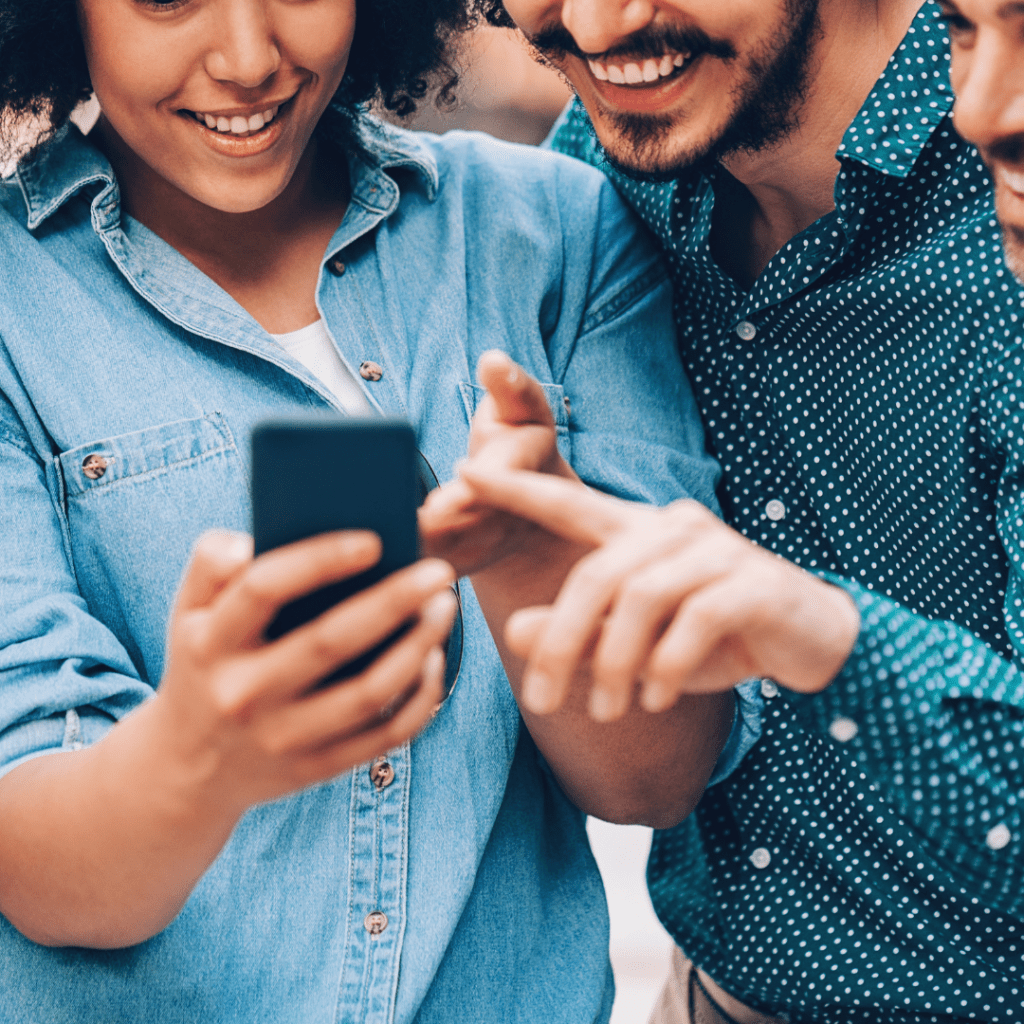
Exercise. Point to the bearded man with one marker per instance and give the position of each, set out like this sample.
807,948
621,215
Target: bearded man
853,339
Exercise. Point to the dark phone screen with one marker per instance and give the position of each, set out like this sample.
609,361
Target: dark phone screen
317,475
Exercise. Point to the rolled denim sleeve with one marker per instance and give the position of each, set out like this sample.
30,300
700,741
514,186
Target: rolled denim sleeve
634,425
64,677
745,731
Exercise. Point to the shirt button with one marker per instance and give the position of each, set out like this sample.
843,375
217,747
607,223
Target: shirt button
95,466
775,510
842,730
376,922
371,371
998,838
746,330
769,689
760,858
336,265
381,773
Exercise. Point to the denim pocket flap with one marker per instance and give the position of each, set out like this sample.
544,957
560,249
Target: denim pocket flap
558,402
150,451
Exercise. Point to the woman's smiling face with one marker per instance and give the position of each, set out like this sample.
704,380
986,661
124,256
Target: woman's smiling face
188,85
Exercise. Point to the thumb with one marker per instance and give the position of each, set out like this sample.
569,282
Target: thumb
218,557
517,397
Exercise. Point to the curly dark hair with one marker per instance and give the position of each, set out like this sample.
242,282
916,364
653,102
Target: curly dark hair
401,48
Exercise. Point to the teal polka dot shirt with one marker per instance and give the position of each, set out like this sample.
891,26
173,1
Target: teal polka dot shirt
866,400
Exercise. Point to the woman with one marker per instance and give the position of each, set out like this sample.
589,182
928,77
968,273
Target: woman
188,830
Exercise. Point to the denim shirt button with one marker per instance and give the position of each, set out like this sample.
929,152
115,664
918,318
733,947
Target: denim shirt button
95,466
336,265
371,371
376,922
381,773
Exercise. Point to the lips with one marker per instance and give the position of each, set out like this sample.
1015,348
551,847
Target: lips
1011,178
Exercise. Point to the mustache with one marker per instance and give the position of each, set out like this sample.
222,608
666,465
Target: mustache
557,43
1008,150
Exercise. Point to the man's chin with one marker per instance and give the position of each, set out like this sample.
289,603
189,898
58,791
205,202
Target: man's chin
648,147
1013,249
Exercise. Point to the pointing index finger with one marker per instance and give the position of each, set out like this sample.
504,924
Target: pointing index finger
564,507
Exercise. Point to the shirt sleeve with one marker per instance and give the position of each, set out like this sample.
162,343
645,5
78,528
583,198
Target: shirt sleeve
635,427
64,677
747,722
918,691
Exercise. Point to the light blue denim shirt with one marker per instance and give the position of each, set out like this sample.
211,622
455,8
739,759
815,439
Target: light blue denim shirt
112,343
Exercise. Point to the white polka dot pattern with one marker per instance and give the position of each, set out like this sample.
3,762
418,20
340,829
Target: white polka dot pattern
866,399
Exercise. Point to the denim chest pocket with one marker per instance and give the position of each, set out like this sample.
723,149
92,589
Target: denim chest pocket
135,505
101,465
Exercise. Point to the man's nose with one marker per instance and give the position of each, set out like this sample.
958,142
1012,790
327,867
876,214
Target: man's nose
598,25
246,51
989,84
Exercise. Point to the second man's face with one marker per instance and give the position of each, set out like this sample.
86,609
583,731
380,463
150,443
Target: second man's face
669,82
987,39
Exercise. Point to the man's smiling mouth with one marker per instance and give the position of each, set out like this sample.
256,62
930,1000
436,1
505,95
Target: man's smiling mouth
652,71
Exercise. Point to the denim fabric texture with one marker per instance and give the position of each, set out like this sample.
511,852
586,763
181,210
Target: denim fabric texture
112,344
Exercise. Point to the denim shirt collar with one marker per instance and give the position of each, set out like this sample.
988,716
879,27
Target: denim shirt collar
68,164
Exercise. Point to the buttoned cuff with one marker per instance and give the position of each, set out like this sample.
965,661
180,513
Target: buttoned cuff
746,729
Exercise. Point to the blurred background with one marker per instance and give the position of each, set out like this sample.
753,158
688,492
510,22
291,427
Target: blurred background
504,92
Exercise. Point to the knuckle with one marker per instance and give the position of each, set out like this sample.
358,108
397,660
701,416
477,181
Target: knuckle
257,588
231,702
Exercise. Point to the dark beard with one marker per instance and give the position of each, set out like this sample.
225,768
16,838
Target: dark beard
767,108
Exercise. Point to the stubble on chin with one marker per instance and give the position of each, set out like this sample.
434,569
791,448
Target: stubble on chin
1013,249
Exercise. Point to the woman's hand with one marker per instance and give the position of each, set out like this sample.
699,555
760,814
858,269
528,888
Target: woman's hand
235,721
512,429
241,715
671,598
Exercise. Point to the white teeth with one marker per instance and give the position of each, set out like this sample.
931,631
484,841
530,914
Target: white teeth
238,125
636,74
1013,180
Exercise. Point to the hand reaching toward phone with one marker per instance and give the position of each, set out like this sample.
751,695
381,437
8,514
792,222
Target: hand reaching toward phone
512,429
671,597
236,721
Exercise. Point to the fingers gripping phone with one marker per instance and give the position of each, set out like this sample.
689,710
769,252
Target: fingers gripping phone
313,475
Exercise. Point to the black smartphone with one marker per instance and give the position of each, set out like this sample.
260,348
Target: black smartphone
317,474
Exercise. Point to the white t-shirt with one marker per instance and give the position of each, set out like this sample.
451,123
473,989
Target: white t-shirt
312,346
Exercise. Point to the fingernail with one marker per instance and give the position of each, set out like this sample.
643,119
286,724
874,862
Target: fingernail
655,696
602,705
537,693
440,609
431,573
229,545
